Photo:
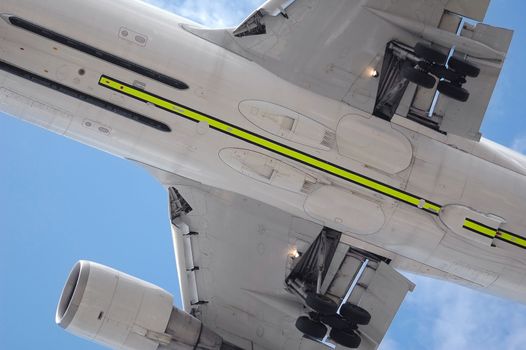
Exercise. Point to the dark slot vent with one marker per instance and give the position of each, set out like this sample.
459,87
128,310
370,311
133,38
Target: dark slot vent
92,51
84,97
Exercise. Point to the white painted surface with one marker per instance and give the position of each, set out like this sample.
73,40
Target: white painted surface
373,142
337,207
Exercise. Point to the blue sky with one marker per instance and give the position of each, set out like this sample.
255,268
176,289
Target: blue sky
61,201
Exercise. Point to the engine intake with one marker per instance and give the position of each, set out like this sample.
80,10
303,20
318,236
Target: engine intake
123,312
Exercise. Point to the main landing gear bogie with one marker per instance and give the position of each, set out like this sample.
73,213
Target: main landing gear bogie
343,326
427,65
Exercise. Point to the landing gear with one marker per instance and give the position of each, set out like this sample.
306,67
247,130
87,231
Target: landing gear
347,338
355,314
422,65
463,68
417,75
342,332
337,322
311,328
455,91
427,63
331,278
321,304
327,310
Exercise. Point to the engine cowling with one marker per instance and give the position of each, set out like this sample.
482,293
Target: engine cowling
123,312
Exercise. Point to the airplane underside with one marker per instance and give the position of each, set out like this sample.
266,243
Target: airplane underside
291,209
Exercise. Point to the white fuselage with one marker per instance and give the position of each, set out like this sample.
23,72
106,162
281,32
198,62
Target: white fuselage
362,178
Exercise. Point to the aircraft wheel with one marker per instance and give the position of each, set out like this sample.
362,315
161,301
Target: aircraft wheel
429,54
463,67
454,91
417,76
337,322
441,72
349,339
311,328
321,304
355,314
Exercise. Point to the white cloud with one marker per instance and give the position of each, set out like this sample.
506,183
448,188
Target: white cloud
519,144
212,13
444,316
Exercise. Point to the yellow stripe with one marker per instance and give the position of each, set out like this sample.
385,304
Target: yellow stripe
480,229
512,239
495,233
275,147
433,207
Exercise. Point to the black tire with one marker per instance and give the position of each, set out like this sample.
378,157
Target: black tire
441,72
321,304
355,314
313,329
463,67
417,76
454,91
337,322
431,55
347,339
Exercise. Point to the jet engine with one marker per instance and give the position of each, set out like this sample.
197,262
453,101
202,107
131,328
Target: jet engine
123,312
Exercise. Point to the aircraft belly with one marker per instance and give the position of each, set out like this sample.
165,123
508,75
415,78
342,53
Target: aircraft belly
342,209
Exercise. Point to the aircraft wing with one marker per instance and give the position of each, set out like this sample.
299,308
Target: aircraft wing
337,47
238,259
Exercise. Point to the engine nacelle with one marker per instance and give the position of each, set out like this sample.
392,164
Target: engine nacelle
123,312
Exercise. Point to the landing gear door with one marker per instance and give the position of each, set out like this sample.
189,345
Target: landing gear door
380,290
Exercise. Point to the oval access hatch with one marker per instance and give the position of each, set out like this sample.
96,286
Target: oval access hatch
470,223
373,142
286,123
266,169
